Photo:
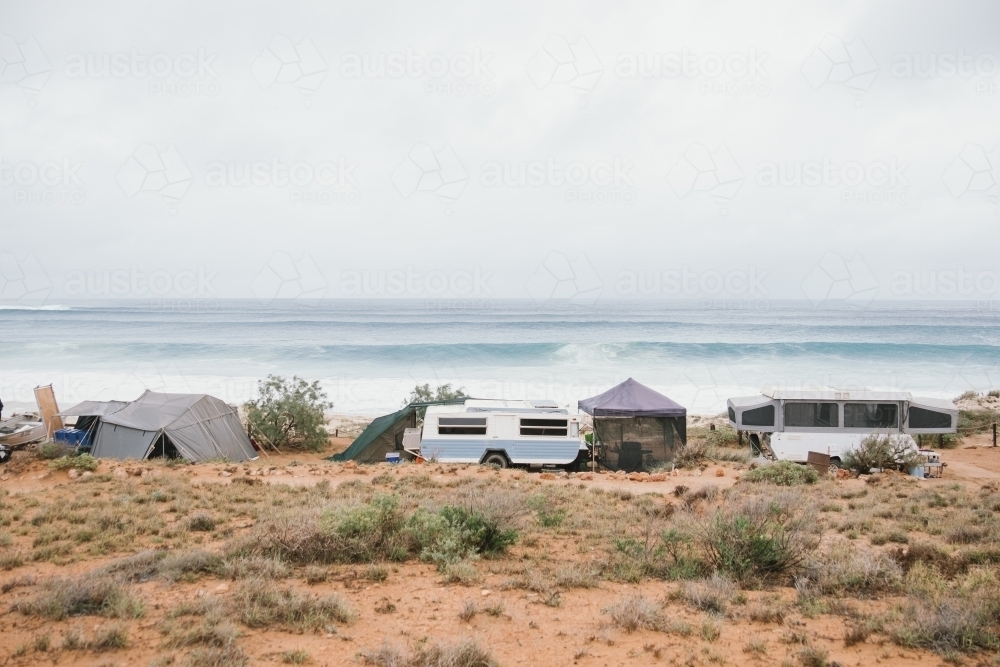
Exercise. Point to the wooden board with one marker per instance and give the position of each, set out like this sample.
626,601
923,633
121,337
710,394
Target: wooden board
46,399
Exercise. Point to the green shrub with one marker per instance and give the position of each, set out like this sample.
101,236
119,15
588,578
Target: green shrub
368,532
721,437
290,413
782,473
81,462
52,450
754,542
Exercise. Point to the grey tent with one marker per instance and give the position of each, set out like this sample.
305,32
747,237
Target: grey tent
194,426
93,409
635,425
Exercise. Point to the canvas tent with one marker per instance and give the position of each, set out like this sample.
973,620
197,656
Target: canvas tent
635,426
194,426
383,435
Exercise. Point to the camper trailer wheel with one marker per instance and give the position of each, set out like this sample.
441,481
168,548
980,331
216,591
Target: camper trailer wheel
496,459
834,465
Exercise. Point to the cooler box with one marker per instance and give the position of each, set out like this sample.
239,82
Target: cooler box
73,437
393,457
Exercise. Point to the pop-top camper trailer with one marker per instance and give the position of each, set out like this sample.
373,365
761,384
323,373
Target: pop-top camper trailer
790,423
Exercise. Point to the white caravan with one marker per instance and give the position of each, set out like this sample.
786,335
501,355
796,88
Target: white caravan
500,432
791,423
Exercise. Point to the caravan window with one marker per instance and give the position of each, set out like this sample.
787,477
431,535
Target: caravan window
759,416
924,418
812,415
461,425
871,415
553,427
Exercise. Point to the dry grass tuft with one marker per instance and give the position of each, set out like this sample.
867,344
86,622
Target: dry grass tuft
466,653
634,612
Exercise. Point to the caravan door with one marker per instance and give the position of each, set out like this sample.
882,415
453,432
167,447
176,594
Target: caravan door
503,433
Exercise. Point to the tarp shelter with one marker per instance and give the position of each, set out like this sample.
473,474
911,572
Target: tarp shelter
194,426
383,435
635,426
88,414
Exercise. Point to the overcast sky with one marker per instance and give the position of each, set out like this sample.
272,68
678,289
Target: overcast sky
516,149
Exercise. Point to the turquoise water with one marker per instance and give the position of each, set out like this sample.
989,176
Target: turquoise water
369,354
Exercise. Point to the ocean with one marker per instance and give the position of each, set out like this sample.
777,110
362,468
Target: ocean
369,354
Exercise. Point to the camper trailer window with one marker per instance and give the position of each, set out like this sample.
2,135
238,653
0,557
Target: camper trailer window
811,415
462,426
871,415
553,427
759,416
732,415
924,418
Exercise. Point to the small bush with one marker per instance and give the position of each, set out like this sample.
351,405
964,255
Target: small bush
201,522
754,542
721,437
52,450
113,637
691,454
229,656
782,473
636,613
298,657
711,595
466,653
83,462
100,595
848,570
260,604
880,451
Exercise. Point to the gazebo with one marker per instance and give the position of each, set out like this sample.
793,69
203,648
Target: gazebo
635,427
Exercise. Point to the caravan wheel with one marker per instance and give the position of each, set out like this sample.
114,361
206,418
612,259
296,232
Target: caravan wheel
496,459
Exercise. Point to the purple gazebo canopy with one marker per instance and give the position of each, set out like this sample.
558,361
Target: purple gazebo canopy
631,399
